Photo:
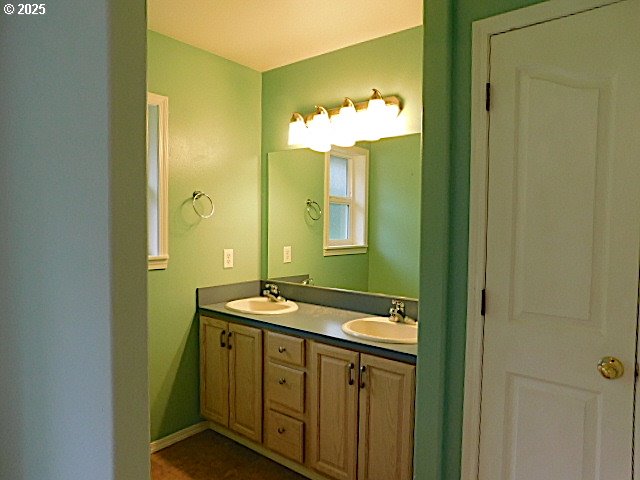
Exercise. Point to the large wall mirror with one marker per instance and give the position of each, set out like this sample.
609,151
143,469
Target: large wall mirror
390,264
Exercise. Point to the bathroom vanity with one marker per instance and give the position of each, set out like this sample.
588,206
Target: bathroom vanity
296,388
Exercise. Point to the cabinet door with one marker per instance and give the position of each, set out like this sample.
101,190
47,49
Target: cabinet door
387,391
245,381
214,370
333,411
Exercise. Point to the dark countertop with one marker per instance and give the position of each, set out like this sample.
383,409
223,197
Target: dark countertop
320,323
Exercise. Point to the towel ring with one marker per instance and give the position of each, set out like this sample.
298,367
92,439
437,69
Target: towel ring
313,209
196,195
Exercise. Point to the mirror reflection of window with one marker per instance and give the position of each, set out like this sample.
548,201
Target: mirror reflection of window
157,181
346,185
339,226
340,198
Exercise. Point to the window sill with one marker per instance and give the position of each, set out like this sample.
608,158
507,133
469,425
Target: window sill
344,250
159,262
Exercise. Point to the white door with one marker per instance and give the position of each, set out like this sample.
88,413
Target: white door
562,248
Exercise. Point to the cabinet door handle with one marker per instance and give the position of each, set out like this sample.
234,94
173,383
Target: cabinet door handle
282,381
282,349
281,430
363,370
222,334
229,340
351,367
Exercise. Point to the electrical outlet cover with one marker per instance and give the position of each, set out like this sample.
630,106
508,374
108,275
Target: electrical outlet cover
228,258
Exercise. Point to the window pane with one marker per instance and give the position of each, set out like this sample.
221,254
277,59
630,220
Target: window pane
152,177
339,176
339,221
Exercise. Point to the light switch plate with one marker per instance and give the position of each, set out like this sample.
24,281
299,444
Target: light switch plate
286,254
228,258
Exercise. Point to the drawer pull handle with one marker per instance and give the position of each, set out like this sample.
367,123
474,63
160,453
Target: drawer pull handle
282,381
281,430
229,340
363,370
351,367
222,334
282,349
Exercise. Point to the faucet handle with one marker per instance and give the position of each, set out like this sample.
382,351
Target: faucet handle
397,305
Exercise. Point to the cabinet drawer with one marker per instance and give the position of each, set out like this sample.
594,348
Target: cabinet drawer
285,435
286,349
285,386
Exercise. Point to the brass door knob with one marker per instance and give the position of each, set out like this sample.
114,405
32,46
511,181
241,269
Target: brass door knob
610,368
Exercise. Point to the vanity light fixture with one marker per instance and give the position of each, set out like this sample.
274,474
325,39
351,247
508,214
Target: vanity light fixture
345,125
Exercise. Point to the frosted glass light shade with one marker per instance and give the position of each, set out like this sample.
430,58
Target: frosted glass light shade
297,131
343,125
390,122
373,118
319,131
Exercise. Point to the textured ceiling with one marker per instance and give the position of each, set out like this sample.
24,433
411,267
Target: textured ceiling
265,34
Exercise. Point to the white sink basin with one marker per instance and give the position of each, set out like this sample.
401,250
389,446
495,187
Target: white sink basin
261,306
380,329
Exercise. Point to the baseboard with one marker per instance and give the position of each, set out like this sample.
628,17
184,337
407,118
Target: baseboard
178,436
258,448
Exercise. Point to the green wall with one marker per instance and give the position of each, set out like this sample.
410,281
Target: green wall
394,215
392,64
391,264
445,206
214,146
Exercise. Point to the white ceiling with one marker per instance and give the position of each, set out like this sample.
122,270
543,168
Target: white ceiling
265,34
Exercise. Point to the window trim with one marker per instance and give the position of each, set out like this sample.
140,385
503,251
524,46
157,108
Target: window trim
357,200
161,260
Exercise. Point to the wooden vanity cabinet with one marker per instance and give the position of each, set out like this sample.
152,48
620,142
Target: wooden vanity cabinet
346,415
361,415
231,376
386,419
333,411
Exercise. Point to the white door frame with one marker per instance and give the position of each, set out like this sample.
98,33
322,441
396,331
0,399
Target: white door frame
482,32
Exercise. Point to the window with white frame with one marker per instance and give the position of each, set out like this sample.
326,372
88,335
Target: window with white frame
157,181
346,193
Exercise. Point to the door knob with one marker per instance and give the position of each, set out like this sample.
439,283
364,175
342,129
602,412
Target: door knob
610,368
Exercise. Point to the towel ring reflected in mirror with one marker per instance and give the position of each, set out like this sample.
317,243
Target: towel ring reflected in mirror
196,196
313,209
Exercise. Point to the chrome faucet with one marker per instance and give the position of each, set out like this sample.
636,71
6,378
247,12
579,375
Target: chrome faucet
272,292
397,313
